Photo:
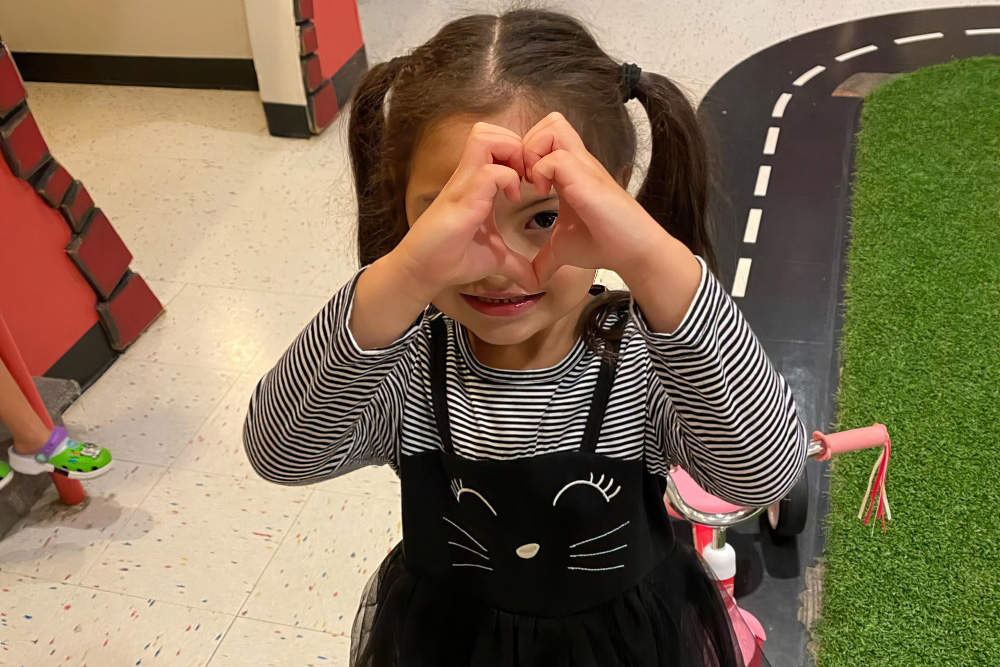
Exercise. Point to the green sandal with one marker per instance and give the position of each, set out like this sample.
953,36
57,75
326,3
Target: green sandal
64,456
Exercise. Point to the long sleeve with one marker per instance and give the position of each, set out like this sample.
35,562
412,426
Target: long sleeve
728,418
328,407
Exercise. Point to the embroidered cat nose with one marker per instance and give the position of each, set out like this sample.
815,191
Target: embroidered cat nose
527,551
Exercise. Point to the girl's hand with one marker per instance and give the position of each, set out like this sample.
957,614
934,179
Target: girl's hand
599,225
456,240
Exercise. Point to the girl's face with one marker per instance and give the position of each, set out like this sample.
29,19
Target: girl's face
525,227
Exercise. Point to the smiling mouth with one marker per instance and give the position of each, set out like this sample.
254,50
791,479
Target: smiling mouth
515,299
513,305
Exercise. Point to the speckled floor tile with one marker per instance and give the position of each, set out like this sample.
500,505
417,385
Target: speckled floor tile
165,290
218,446
316,578
293,248
51,624
219,327
146,412
262,644
61,543
375,481
200,540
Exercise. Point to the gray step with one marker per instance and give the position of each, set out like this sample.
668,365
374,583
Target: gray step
17,498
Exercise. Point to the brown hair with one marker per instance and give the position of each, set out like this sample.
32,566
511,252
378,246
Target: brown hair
477,66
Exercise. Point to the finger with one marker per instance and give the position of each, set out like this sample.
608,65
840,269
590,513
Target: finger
545,265
559,167
493,178
553,132
492,144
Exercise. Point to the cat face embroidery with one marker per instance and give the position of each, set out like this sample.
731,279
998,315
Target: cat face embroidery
593,554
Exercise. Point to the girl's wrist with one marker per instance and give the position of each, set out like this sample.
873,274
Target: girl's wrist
408,277
664,280
649,244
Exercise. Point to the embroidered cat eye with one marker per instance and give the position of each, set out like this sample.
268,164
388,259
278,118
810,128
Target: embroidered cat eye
602,486
458,489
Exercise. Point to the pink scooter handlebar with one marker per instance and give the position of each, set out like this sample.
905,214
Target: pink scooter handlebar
823,446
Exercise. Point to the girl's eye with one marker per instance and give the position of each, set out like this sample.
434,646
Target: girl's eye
545,219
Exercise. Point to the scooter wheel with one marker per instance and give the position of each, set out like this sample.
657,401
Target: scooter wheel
787,517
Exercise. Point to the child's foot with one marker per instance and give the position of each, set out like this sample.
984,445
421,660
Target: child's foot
63,456
6,474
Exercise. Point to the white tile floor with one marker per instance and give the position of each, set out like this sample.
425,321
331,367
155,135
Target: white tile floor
182,556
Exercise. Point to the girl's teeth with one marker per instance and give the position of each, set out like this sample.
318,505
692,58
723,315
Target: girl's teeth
502,300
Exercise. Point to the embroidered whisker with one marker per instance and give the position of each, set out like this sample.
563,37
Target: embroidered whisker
466,534
469,549
596,569
482,567
615,530
599,553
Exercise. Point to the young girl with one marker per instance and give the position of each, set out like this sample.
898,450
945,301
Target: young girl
532,417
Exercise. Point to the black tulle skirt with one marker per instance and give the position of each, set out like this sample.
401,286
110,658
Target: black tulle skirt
675,617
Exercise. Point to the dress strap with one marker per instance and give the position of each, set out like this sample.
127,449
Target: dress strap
599,403
439,386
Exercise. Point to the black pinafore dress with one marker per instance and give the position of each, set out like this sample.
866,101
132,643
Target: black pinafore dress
559,560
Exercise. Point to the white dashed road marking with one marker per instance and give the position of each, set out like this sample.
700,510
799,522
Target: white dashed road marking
856,52
753,225
779,106
804,79
763,176
742,275
772,140
919,38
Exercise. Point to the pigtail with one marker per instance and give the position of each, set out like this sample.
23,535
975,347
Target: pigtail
366,144
675,190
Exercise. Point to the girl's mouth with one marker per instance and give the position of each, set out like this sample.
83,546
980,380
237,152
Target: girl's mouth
502,307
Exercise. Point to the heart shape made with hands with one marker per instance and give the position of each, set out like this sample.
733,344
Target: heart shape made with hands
554,156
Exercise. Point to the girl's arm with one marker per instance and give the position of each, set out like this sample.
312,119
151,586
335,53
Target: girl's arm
332,403
728,417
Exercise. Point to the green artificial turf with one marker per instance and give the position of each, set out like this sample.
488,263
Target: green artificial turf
921,354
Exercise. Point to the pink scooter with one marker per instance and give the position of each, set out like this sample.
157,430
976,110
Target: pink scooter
711,516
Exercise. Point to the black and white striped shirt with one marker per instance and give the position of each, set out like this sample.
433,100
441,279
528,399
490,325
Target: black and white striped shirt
704,397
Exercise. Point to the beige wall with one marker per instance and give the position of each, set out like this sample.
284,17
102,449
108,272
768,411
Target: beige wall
190,28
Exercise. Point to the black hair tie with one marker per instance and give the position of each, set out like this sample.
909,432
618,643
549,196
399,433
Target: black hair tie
630,73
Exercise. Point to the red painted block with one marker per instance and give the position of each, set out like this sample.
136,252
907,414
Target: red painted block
11,88
322,107
52,183
308,41
128,312
22,144
100,254
76,206
312,72
304,10
339,32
